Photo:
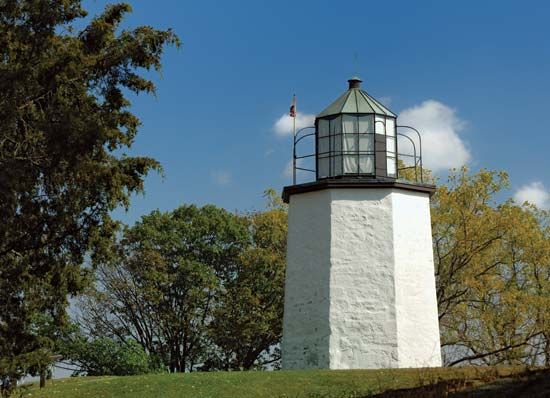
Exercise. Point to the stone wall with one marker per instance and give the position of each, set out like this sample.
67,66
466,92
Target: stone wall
307,331
360,288
416,304
362,296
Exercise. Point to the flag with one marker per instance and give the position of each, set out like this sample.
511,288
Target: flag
292,112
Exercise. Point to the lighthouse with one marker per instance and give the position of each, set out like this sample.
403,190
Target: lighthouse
360,286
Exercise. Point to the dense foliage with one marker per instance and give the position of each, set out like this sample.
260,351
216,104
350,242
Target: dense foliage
105,356
246,323
493,273
200,288
63,116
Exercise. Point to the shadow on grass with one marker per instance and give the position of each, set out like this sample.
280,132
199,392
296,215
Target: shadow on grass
529,384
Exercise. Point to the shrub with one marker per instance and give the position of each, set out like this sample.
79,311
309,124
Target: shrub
105,356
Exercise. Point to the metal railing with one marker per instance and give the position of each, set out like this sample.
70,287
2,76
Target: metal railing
416,156
295,158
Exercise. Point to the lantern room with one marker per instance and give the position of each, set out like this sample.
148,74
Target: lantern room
357,142
356,137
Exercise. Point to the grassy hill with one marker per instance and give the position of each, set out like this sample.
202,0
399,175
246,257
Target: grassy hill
297,384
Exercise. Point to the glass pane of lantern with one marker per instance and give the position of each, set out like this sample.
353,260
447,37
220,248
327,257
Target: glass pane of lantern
366,164
323,167
391,166
366,143
390,127
379,124
390,146
350,143
323,127
336,144
337,165
323,145
350,164
336,125
365,124
366,134
349,124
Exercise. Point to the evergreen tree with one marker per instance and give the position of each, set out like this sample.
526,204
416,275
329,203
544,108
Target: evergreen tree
64,120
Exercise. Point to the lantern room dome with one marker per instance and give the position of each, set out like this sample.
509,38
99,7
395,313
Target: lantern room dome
355,100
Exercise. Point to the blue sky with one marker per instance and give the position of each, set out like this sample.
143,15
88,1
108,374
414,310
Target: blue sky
474,75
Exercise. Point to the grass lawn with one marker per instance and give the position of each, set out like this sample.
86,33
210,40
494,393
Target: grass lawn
279,384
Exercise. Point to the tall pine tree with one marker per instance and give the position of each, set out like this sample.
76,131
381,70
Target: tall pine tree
64,120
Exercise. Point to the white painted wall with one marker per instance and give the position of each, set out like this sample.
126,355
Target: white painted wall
362,295
360,288
416,305
306,316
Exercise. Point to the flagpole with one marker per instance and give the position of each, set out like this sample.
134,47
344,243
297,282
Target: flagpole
294,141
294,151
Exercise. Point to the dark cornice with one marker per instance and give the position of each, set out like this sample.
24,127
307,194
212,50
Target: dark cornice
356,183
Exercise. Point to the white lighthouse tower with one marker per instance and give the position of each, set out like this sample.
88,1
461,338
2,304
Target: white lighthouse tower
360,286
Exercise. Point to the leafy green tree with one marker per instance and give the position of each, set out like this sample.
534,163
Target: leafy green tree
492,267
64,120
161,286
247,321
201,288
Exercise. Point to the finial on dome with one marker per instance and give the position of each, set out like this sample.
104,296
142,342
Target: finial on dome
354,82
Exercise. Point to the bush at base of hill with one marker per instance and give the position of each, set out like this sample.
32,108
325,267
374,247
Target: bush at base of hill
104,356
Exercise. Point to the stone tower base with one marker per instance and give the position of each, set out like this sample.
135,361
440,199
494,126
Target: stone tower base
360,287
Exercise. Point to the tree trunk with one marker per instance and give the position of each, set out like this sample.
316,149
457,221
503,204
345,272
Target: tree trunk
42,377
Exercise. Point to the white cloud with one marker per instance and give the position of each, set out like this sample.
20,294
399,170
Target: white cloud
439,126
283,126
534,193
221,177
